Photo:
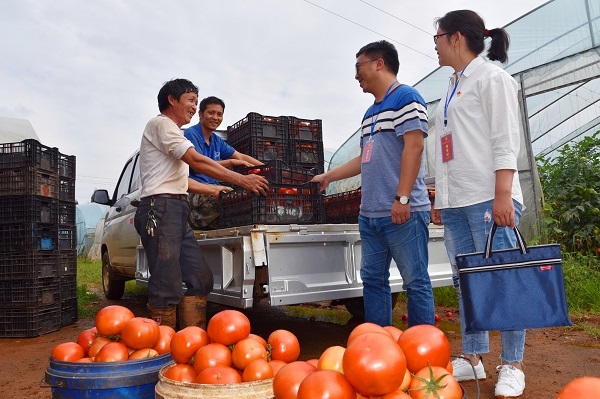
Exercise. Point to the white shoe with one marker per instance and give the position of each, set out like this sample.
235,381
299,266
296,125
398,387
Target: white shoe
511,382
462,370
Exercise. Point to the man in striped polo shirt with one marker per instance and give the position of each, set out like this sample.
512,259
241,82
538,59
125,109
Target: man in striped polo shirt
394,210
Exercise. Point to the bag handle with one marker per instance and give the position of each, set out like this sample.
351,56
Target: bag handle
488,244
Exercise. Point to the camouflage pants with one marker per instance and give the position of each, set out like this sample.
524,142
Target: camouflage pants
204,212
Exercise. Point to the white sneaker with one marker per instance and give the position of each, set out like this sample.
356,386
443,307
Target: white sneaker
511,382
462,370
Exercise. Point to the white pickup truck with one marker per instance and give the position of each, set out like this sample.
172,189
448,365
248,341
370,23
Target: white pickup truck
288,264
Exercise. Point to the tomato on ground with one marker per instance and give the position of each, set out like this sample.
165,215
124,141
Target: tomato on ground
424,345
434,382
111,319
218,375
140,332
583,387
374,364
185,343
228,327
181,373
287,381
326,384
68,352
284,346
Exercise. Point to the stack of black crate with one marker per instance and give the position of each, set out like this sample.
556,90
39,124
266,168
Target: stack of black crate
34,269
292,151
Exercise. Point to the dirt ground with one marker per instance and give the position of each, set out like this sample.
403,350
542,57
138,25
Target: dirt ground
553,356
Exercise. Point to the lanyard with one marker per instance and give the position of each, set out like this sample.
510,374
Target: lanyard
451,95
373,122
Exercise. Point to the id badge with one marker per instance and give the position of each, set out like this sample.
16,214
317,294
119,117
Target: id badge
447,149
367,151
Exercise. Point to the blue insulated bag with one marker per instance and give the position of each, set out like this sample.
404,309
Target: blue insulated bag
513,289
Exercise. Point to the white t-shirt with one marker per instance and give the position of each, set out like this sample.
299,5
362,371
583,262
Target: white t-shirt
161,169
483,118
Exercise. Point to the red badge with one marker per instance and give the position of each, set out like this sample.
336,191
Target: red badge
447,149
367,152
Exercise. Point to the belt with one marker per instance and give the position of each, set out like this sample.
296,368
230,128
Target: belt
180,197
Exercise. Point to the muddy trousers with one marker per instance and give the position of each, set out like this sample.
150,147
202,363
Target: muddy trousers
172,252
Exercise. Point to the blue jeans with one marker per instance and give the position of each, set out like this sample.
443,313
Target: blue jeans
173,253
406,243
465,231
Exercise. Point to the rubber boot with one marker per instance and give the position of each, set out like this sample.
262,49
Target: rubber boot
164,316
191,311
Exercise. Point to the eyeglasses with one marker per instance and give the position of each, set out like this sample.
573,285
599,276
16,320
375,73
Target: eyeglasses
436,37
358,64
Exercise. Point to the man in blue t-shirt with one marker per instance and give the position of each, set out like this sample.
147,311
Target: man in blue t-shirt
394,210
204,209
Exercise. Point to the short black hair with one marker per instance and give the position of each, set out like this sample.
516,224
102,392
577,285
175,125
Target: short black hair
385,50
175,88
210,100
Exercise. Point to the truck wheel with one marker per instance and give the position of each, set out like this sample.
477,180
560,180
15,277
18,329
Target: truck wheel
356,306
113,288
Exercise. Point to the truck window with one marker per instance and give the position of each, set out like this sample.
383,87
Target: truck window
123,185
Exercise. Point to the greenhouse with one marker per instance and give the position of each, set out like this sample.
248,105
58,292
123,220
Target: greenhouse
554,55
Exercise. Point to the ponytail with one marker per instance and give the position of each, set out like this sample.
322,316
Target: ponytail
499,46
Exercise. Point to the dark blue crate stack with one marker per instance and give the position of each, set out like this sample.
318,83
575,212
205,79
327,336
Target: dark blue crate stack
33,256
262,137
305,146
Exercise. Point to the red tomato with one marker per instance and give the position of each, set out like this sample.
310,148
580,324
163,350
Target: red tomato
68,352
450,367
246,351
287,381
185,343
331,359
449,314
218,375
579,388
111,319
253,171
326,384
395,332
85,360
374,364
98,343
228,327
258,338
181,373
396,395
314,362
112,352
144,353
257,370
424,345
406,381
140,332
276,365
364,328
212,355
163,345
86,338
284,346
434,382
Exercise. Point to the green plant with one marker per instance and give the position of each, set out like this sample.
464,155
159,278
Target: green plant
571,182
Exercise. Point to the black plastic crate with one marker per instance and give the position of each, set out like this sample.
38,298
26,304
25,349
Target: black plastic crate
67,238
307,154
28,181
264,150
342,207
28,237
283,204
30,292
255,125
305,129
68,287
67,213
279,172
66,189
28,209
66,165
29,265
67,262
29,321
28,153
68,312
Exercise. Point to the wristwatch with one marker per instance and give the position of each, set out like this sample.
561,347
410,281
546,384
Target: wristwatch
403,200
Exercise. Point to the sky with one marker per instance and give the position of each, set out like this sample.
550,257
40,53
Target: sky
86,74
